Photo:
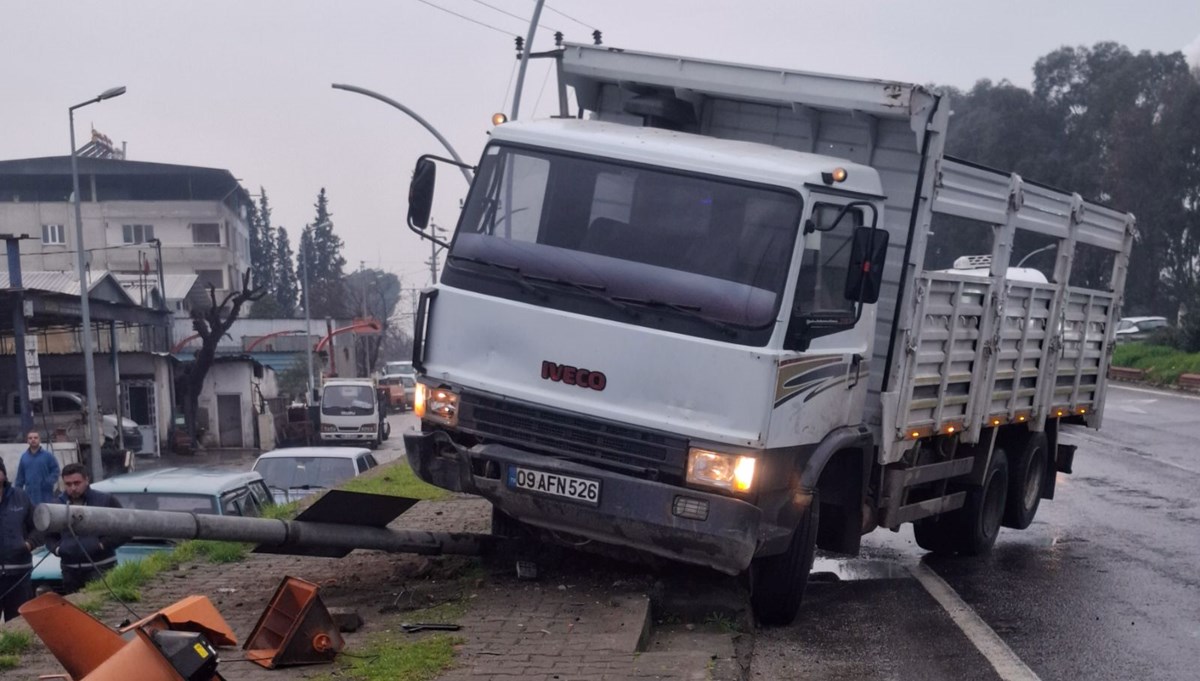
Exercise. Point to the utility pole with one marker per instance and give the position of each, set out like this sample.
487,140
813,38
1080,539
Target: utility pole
310,395
13,244
433,252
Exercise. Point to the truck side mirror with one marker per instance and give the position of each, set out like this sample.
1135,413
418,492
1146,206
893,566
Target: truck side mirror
420,193
868,254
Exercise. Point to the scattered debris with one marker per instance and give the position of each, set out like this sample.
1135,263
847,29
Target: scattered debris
295,628
347,619
526,569
428,626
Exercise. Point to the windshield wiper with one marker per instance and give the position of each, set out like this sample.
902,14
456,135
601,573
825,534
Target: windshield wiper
692,311
594,290
513,274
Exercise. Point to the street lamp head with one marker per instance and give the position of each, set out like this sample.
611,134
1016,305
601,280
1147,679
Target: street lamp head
110,93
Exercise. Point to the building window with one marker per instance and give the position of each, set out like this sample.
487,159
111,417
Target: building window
214,277
54,234
137,234
206,233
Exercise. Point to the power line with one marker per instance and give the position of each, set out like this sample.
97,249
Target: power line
569,17
466,18
514,16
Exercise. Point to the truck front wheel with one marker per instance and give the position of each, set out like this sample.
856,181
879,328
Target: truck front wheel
972,529
777,582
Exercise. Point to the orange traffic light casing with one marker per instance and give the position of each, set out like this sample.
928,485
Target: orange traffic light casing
296,628
194,613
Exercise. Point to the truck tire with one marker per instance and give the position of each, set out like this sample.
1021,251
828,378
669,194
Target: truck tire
777,583
1025,483
972,529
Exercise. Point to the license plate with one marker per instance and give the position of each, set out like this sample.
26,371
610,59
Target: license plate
566,486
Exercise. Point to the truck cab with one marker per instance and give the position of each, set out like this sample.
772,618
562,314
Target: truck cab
352,413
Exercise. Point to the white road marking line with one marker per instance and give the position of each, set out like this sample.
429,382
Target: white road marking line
1006,663
1160,393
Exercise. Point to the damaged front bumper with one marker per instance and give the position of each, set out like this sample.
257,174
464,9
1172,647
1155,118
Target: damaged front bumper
648,516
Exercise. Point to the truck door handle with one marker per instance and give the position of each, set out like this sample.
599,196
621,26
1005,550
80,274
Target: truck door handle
855,369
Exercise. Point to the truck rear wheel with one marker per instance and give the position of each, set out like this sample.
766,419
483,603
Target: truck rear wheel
1025,485
777,583
972,529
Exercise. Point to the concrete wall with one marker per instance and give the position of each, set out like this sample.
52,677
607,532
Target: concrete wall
103,226
235,378
65,372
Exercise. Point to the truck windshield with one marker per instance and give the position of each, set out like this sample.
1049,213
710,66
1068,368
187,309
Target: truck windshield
650,246
348,400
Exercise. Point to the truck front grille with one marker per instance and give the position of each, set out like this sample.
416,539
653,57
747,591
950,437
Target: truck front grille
577,437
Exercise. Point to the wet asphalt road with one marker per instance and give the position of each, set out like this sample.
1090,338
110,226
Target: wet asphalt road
1104,585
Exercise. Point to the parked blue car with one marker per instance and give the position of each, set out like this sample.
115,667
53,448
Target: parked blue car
187,490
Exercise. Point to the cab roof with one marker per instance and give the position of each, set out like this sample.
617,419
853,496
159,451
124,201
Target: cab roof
315,452
211,481
749,161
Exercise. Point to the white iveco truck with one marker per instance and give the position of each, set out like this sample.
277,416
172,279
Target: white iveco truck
694,318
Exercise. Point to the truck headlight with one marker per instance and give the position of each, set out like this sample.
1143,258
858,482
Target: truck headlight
328,428
733,472
436,404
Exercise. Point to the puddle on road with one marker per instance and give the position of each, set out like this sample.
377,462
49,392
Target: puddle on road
856,569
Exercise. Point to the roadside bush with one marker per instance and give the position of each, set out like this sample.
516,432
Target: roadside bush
1162,364
1188,338
1167,336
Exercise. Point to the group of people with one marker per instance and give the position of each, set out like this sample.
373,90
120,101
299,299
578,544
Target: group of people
83,557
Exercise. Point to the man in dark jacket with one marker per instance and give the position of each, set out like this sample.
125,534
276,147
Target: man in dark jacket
18,539
84,557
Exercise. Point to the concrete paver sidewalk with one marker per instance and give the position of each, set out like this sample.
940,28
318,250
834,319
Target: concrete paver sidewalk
586,629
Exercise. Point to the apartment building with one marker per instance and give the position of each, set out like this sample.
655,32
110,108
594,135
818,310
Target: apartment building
131,210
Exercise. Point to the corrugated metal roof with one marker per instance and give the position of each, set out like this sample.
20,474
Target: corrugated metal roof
178,285
66,283
55,282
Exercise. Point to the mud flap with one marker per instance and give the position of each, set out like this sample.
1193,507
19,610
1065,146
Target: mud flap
1063,458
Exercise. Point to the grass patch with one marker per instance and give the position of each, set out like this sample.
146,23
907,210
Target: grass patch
9,662
282,511
1162,364
388,657
14,642
722,622
397,480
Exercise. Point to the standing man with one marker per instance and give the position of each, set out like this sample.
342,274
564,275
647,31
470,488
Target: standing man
38,470
83,556
18,539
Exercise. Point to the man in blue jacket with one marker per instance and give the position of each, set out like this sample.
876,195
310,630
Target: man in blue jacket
18,539
84,556
38,470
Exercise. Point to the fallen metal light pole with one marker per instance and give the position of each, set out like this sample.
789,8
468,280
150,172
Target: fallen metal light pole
294,536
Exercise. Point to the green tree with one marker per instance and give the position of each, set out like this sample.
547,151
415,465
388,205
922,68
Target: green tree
321,253
1119,128
286,285
262,243
372,293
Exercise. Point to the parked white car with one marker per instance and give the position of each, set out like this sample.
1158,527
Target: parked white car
296,472
1139,328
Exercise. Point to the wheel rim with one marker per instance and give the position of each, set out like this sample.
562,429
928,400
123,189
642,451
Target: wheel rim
1033,478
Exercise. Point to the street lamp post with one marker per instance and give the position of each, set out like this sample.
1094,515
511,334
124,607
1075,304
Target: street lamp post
85,309
425,124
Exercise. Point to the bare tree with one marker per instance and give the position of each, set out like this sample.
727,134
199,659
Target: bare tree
211,325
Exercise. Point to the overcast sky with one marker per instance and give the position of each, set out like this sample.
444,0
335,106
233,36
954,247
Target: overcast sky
245,85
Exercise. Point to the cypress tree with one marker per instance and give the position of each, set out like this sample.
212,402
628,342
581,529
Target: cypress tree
284,280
